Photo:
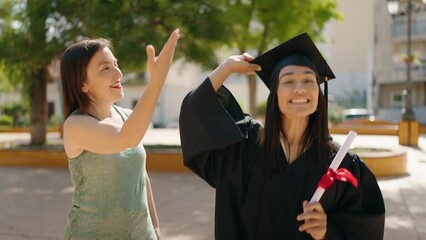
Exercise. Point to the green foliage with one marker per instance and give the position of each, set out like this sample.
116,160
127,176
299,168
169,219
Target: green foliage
33,33
24,121
14,108
261,109
133,24
55,120
5,83
257,25
335,115
23,38
16,111
6,120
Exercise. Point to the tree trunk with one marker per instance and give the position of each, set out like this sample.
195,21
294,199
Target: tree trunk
252,94
38,103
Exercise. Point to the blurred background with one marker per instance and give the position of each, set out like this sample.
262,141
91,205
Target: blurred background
367,46
376,48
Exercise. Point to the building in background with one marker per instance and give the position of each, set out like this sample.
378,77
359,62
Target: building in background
389,68
349,51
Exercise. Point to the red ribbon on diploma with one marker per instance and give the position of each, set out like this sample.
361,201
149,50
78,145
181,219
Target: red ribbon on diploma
342,174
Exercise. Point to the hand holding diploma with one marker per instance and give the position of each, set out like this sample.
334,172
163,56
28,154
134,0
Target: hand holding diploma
314,217
334,173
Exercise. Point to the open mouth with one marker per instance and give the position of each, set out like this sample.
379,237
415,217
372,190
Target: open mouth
299,100
116,86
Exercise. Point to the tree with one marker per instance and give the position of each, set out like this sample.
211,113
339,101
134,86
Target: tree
33,33
132,24
25,54
259,24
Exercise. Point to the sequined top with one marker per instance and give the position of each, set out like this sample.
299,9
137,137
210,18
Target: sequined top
110,198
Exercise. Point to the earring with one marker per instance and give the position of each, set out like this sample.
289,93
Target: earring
85,90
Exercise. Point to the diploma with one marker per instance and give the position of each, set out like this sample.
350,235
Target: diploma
333,170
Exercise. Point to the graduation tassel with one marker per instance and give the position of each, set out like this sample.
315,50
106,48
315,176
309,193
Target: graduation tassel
326,94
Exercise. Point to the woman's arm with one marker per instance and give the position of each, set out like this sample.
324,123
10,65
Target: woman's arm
107,136
152,210
233,64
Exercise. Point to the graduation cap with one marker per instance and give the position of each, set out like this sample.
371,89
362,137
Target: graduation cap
299,50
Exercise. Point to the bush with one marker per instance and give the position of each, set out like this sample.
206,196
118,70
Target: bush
15,110
335,115
6,120
23,122
55,120
261,109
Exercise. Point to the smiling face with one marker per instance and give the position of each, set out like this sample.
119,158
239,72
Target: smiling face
297,91
103,82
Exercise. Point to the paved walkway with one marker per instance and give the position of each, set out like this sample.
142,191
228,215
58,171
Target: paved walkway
34,202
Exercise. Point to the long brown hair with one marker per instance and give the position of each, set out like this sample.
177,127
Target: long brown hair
74,62
316,133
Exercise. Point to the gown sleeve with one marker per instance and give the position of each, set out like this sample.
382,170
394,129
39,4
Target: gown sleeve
359,212
212,130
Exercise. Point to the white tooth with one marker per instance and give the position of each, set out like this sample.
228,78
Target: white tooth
299,100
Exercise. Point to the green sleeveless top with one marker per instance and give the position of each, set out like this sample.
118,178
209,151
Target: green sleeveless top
110,198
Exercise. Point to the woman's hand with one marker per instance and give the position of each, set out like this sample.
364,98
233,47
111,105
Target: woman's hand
315,220
233,64
240,64
158,66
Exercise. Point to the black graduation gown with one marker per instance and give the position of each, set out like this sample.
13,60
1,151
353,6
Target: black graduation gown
219,144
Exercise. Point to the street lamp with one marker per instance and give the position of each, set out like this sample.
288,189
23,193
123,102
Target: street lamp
394,8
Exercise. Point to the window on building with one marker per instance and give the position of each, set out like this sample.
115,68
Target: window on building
398,99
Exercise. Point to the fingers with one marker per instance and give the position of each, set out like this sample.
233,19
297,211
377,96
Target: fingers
312,207
158,66
311,211
316,228
150,52
171,43
251,68
240,64
315,220
317,233
246,57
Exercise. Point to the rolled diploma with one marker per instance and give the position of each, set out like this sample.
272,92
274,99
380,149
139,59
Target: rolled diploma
335,163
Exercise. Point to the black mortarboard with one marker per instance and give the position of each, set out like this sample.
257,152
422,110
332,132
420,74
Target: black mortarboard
293,52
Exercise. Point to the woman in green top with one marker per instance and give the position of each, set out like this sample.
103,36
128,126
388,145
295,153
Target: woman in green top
112,197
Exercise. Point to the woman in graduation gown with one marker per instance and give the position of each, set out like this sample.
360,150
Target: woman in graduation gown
265,173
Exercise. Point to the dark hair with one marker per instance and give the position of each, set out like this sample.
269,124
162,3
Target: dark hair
74,62
316,133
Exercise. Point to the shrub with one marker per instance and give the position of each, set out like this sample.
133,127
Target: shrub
261,109
6,120
55,120
335,115
16,110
